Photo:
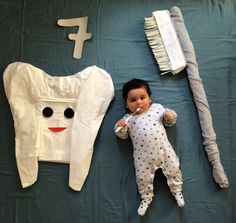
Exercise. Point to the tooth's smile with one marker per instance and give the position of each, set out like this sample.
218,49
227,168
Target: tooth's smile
56,129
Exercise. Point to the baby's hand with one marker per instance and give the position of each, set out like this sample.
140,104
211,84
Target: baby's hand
122,122
168,115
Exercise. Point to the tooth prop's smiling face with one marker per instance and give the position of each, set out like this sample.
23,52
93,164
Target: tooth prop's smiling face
56,119
57,116
48,113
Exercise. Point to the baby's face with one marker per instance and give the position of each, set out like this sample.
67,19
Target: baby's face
138,98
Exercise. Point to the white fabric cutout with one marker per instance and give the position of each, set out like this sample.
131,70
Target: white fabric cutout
164,42
170,40
29,90
79,37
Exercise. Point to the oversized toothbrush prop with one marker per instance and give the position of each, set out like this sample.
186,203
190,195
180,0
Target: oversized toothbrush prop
158,44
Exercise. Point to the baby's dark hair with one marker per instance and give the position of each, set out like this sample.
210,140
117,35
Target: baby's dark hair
133,84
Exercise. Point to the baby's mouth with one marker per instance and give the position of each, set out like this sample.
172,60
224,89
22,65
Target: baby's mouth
56,129
138,110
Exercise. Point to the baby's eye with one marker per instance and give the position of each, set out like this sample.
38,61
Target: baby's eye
142,98
69,113
47,112
132,100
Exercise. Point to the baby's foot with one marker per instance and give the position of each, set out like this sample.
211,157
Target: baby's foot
144,206
179,198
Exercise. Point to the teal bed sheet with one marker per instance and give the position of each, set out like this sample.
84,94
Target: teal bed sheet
29,33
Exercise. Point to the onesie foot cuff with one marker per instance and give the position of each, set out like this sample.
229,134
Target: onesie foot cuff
144,206
179,198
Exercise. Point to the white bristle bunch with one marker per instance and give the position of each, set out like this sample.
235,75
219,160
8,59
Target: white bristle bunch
156,43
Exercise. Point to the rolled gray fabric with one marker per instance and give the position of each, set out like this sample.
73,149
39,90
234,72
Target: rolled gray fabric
200,99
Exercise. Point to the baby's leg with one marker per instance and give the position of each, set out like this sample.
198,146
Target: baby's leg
179,198
173,174
144,178
144,205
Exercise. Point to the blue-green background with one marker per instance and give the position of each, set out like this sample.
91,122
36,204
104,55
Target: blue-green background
29,33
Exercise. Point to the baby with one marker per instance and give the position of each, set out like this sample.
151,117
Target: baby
152,149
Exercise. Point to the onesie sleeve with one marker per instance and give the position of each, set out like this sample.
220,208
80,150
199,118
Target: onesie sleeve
168,122
122,133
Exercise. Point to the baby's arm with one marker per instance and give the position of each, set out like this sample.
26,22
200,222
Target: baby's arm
169,117
123,132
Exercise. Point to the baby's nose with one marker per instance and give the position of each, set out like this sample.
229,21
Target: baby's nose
139,101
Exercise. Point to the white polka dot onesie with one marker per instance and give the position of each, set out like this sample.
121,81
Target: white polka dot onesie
152,150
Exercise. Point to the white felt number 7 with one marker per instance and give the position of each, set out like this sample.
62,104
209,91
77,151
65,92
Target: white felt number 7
79,37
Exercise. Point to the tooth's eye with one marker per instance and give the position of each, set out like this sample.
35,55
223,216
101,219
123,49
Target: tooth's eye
47,112
69,113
